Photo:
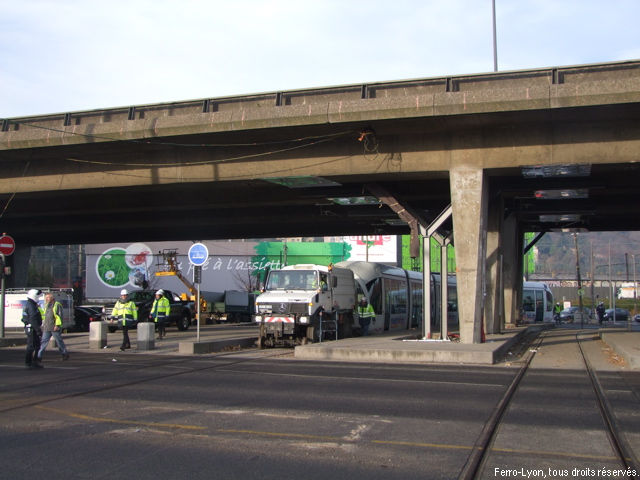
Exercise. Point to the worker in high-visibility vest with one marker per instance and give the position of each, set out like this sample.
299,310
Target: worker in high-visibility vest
366,315
127,311
159,312
52,326
557,308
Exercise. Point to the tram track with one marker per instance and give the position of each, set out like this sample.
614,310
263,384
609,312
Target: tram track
21,402
614,432
480,450
476,462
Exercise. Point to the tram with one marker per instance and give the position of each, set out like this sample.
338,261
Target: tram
396,296
537,302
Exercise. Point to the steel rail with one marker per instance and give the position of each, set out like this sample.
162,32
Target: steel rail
614,432
479,454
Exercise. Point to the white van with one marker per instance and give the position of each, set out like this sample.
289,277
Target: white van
15,299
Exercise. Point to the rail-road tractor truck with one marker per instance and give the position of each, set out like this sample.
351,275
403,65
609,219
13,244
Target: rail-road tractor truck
305,303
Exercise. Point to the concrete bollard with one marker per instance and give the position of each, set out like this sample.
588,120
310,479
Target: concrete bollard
146,336
97,335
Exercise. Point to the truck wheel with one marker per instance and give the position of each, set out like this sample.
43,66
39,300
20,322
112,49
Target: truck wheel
184,322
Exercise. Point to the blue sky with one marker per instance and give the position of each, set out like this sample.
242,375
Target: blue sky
69,55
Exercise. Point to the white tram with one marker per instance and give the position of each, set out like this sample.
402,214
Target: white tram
537,302
396,296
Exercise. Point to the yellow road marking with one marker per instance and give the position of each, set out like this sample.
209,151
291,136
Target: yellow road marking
121,422
426,445
280,434
322,437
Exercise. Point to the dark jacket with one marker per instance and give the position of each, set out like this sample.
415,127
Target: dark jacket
31,314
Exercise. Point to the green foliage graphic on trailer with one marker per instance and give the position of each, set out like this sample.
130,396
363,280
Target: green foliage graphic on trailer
293,253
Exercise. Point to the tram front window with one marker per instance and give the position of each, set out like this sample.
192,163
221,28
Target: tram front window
528,302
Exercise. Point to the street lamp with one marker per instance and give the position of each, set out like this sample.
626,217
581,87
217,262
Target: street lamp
495,40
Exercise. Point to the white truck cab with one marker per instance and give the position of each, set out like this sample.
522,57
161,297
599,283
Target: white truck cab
302,303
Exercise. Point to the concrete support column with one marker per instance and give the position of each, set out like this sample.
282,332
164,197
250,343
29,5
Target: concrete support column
469,206
519,279
511,274
97,335
493,307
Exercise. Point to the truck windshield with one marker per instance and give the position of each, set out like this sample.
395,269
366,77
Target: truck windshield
292,280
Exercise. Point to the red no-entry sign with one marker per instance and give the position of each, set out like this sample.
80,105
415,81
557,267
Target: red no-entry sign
7,244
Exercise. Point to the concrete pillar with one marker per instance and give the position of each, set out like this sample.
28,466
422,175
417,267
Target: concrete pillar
469,208
519,277
511,274
146,336
493,307
97,335
426,287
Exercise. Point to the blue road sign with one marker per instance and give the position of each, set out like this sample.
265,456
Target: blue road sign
198,254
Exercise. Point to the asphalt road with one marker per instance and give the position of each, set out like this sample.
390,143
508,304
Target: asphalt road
266,415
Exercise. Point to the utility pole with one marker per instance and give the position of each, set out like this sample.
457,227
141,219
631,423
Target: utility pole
612,283
635,288
593,281
575,239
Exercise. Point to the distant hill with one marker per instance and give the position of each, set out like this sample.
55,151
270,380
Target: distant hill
556,254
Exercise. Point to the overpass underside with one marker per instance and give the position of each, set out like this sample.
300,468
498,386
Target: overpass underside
536,150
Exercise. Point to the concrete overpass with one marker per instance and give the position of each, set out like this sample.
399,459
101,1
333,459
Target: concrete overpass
533,150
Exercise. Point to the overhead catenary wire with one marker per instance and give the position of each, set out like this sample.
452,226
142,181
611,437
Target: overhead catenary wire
317,139
238,177
208,162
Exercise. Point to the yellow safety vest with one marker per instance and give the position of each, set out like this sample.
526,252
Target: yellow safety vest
366,312
160,308
57,312
128,311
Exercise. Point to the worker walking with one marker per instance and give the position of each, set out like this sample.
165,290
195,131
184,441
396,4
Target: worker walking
159,312
126,310
600,311
366,315
556,312
32,319
52,326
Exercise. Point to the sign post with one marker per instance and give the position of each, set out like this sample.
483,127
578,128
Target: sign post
2,264
7,247
198,256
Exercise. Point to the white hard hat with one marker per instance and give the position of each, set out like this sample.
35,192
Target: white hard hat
124,292
160,292
33,294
